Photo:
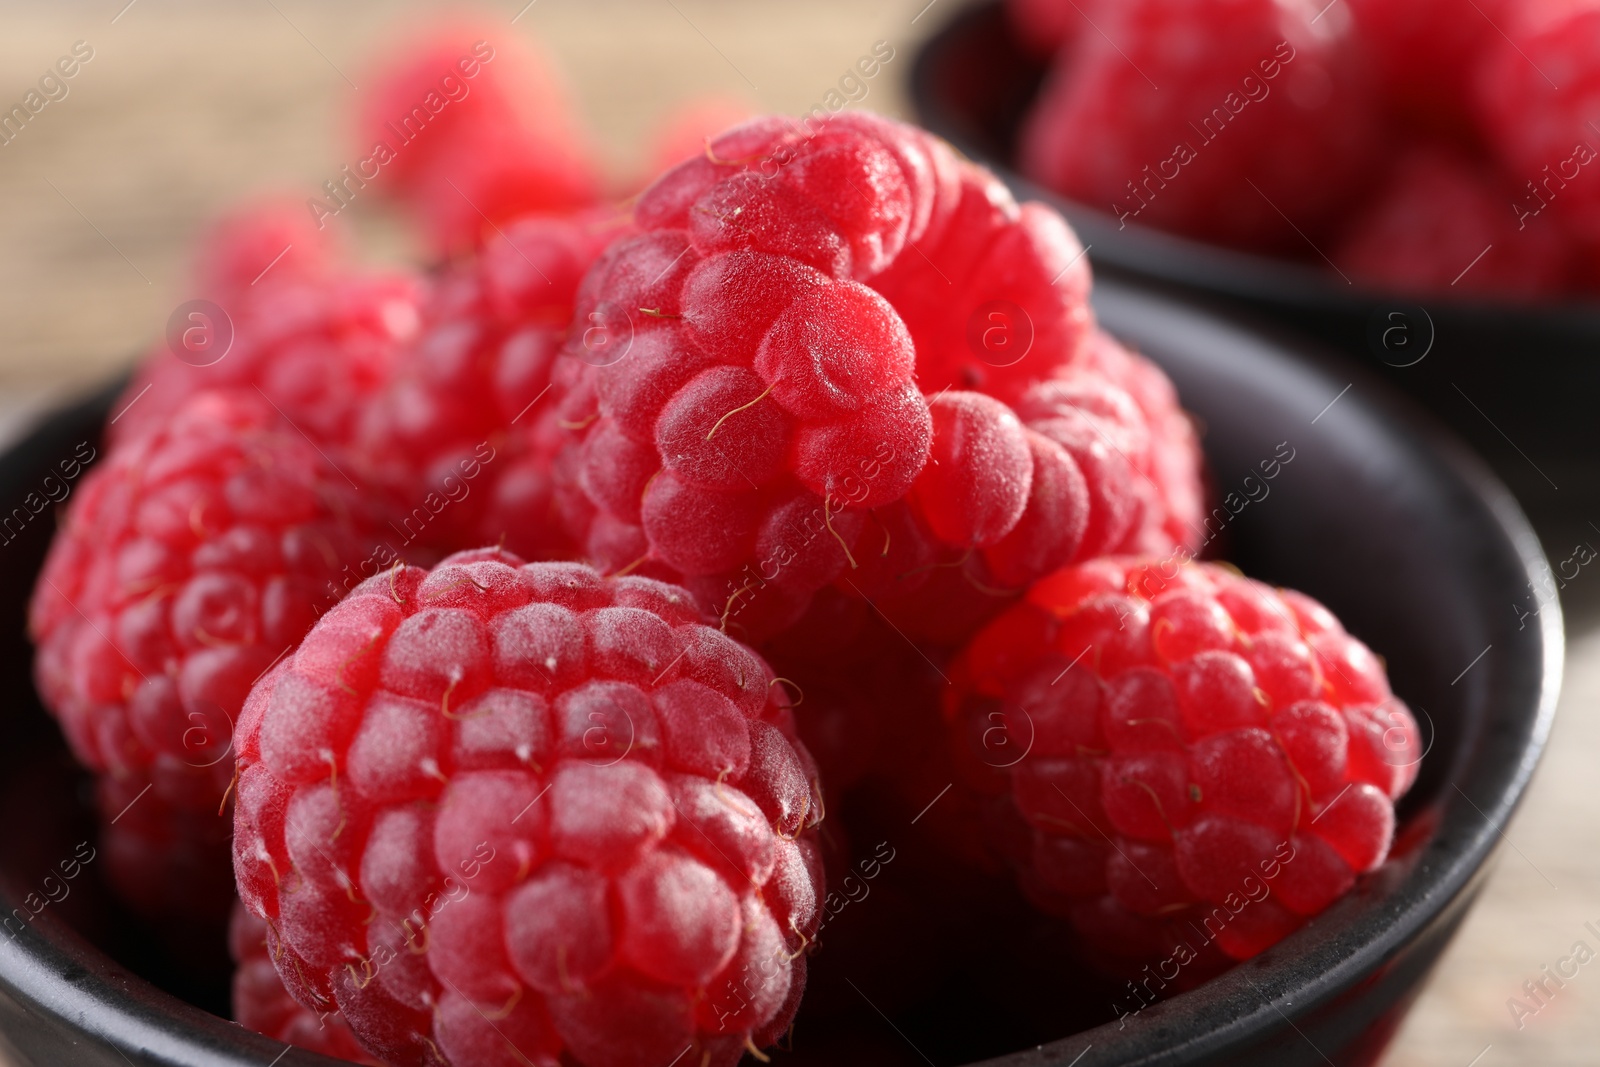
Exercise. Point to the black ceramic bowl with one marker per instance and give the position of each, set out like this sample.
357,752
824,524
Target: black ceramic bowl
1515,380
1395,527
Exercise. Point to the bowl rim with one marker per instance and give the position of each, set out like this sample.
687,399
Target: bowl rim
1202,266
50,971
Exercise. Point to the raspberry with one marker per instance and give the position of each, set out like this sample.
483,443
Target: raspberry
689,127
167,859
190,558
1534,94
262,1004
1113,467
271,238
744,403
1171,113
997,298
312,336
461,436
1426,52
470,130
1046,26
531,795
1442,223
1180,756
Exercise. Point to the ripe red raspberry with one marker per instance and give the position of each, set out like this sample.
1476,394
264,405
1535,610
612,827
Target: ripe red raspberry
309,333
262,1004
470,129
1102,460
1175,756
1174,111
189,559
1046,26
1426,52
996,298
1445,224
744,403
498,813
462,435
1534,92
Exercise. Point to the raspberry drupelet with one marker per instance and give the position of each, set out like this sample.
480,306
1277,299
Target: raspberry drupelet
312,334
1179,759
749,382
189,559
462,435
508,813
262,1004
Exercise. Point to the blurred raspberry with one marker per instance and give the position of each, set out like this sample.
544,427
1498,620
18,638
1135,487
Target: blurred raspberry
189,559
1045,26
1535,93
1445,224
1426,52
1174,111
463,434
167,859
689,128
470,129
262,1004
1164,749
276,238
506,814
309,333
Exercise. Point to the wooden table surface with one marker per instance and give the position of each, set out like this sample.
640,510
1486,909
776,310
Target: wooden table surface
187,107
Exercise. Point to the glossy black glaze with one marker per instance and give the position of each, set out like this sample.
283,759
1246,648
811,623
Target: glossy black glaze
1393,525
1515,380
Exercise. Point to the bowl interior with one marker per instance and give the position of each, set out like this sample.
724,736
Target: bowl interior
1400,532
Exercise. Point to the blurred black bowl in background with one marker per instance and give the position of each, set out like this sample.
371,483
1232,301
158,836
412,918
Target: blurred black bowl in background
1514,379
